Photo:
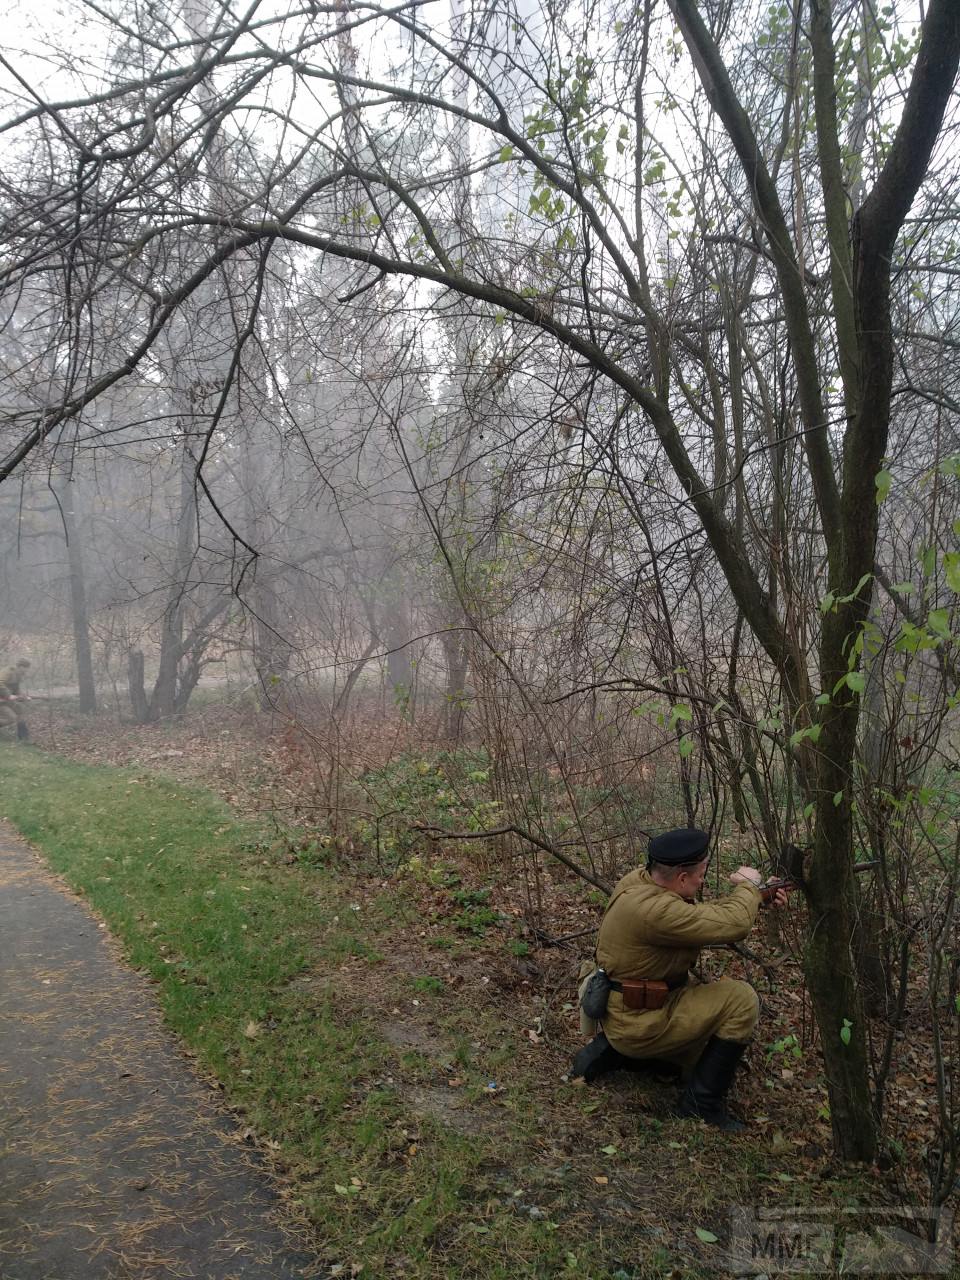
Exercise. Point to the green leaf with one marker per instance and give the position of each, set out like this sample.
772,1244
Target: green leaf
938,620
706,1236
812,731
902,588
506,153
826,604
845,1031
856,681
686,746
913,639
856,590
951,567
837,799
609,1151
883,480
823,700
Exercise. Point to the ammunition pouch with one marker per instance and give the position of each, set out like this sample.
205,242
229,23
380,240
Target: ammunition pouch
644,993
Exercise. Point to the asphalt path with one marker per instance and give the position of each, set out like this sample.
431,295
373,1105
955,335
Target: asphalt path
116,1160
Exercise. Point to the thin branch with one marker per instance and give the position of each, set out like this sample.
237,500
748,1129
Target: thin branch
437,833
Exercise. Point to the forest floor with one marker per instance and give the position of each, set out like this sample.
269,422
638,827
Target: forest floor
475,1015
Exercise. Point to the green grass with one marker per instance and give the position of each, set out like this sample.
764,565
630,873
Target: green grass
230,936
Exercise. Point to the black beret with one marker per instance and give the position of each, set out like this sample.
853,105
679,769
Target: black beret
679,848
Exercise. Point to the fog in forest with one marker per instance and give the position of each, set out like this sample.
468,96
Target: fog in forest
572,390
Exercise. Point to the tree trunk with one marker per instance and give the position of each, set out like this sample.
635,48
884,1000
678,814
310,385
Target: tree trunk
163,700
78,602
456,651
395,629
272,651
832,980
833,940
135,683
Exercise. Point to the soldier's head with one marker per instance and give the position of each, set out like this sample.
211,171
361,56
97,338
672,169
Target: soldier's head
678,860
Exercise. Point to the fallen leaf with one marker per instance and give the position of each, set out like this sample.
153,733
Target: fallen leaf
252,1030
601,1181
706,1236
609,1151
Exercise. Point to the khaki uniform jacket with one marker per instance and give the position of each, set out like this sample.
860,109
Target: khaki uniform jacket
650,932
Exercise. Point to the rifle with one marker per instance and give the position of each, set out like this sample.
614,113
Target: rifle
769,890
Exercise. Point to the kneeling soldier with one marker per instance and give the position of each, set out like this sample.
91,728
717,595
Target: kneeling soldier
650,936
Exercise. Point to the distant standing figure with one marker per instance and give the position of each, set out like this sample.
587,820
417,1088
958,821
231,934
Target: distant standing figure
11,697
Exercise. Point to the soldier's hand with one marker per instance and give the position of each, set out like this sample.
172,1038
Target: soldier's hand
779,899
746,875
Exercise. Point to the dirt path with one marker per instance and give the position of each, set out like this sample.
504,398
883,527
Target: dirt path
115,1160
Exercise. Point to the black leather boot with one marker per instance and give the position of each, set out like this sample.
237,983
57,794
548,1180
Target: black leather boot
597,1058
706,1092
